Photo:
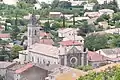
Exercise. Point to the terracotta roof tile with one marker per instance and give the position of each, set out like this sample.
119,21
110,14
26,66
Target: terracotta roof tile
24,68
4,35
70,43
93,56
47,41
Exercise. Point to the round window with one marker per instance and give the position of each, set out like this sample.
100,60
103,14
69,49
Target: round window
73,60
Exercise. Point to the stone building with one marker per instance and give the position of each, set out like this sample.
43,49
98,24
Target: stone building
47,54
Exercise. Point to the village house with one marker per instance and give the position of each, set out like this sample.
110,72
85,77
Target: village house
106,11
92,14
70,34
55,14
97,60
4,66
30,71
110,53
76,2
67,32
80,18
5,36
89,6
104,1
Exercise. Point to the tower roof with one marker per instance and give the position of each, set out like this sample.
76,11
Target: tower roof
33,20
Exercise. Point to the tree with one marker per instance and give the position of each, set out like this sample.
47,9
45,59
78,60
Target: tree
44,5
64,4
15,29
15,51
85,28
54,4
116,17
96,42
105,17
29,1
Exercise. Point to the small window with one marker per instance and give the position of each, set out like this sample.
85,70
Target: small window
43,61
35,32
32,58
38,60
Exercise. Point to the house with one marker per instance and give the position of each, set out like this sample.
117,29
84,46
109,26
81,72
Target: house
74,38
70,34
26,71
89,6
30,71
55,14
113,31
76,2
110,53
5,36
92,14
10,2
68,16
4,66
106,11
63,32
80,18
104,1
96,60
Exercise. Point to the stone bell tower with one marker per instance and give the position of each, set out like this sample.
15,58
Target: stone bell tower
33,31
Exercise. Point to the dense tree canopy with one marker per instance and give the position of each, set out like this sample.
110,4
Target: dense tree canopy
108,74
101,41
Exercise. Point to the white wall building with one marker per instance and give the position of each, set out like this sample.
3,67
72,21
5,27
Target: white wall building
89,6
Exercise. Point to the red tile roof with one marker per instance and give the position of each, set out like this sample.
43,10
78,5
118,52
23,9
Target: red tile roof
24,68
93,56
42,34
47,41
70,43
4,35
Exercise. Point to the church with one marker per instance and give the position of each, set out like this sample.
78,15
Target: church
70,53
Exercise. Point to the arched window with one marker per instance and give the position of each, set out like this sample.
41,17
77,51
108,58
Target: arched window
32,58
35,32
29,32
38,60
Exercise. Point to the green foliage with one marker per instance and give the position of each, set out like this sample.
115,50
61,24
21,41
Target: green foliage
101,41
112,5
85,68
15,51
116,17
103,17
108,74
29,1
44,5
96,41
85,28
64,4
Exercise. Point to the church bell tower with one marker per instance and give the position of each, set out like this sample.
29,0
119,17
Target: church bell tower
33,31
